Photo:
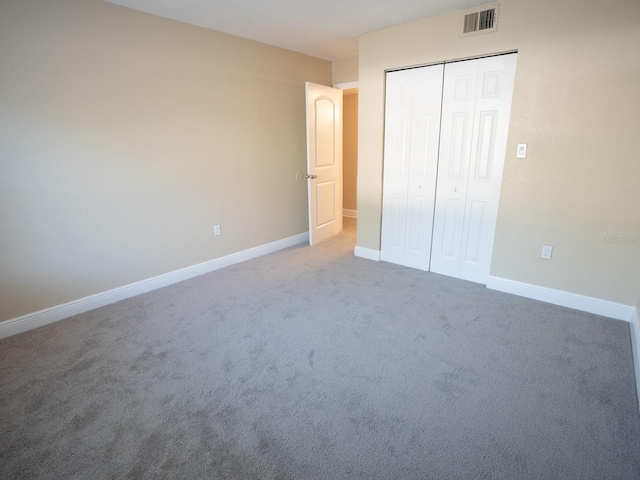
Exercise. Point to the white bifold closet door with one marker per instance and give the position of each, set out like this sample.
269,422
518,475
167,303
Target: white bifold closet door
464,185
476,104
412,126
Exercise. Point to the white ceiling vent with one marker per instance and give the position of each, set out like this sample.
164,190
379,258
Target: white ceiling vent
480,20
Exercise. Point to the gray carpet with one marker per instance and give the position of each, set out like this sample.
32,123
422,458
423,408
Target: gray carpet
311,363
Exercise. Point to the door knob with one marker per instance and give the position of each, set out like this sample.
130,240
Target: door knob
454,189
308,175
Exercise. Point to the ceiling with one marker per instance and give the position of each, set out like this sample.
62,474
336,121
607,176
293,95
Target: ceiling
326,29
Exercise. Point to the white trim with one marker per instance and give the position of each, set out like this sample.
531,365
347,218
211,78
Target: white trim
346,85
562,298
349,213
367,253
59,312
634,324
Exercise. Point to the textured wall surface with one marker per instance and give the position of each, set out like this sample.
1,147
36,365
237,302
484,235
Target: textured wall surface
124,137
576,104
345,71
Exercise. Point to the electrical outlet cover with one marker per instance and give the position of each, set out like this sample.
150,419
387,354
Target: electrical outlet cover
546,252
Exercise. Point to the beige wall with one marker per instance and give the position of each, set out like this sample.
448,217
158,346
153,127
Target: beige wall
350,151
575,103
345,71
124,137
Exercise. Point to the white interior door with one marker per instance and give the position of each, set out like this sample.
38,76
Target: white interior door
476,105
324,161
412,125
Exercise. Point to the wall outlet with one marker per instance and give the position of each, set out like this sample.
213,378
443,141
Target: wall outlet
216,230
546,252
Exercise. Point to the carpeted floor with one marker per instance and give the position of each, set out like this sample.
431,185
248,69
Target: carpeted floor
311,363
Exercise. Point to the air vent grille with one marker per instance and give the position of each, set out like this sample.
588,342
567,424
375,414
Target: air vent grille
480,22
487,18
471,22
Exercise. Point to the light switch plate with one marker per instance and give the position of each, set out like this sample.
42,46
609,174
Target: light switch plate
522,150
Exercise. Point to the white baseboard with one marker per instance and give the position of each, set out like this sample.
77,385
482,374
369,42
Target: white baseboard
562,298
634,324
59,312
349,213
367,253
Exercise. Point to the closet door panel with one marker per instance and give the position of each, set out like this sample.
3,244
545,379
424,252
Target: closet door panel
488,149
412,123
458,108
396,166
